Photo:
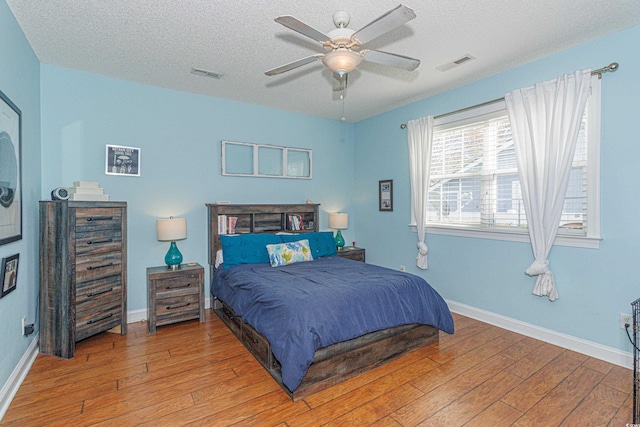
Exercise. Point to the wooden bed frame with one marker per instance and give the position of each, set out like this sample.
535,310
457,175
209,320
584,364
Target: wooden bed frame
332,364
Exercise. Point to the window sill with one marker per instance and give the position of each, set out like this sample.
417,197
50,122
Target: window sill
561,240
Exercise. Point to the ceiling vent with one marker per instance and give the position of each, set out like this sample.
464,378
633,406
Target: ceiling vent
449,65
205,73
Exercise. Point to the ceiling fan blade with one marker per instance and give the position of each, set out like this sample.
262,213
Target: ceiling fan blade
385,23
302,28
385,58
295,64
340,82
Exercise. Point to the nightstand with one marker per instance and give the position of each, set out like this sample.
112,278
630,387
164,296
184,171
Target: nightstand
351,252
175,295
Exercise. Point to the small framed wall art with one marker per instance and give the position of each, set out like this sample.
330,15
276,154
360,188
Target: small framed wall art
385,193
121,160
9,274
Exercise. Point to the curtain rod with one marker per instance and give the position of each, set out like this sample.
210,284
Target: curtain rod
611,67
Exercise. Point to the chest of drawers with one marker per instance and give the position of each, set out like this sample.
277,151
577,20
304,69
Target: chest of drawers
83,272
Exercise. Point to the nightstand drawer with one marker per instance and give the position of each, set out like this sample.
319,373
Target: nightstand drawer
183,285
350,252
171,310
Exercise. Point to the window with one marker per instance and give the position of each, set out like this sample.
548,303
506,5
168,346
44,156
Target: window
474,188
246,159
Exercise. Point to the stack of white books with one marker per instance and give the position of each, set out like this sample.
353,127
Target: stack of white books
87,191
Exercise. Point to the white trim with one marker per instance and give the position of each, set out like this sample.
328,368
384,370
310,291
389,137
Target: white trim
599,351
18,375
512,236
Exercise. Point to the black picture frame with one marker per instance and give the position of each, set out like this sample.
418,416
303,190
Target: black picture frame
121,160
385,195
10,171
9,274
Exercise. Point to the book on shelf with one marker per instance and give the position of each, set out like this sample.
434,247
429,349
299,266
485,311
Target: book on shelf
232,224
89,197
295,222
222,224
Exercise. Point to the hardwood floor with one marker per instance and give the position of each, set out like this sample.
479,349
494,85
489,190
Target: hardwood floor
200,374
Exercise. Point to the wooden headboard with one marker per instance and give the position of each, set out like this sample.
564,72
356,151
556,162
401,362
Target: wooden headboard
241,219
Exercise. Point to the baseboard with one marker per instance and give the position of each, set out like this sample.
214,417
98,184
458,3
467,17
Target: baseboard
18,375
602,352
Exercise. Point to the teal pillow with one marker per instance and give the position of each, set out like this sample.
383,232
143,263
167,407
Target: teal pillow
289,252
246,248
320,242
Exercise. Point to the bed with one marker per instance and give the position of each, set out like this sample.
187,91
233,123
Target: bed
322,319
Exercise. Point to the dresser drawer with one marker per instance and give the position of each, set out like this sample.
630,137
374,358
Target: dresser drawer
98,242
92,295
172,287
108,316
93,267
94,219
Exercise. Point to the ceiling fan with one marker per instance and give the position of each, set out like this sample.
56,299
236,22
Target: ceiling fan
342,45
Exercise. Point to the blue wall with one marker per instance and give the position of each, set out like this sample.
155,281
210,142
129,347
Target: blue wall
595,285
19,80
179,136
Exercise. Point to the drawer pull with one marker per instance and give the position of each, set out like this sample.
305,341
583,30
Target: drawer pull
93,294
99,218
252,338
99,319
95,267
94,242
173,307
228,313
178,286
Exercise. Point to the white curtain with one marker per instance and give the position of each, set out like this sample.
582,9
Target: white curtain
545,121
420,136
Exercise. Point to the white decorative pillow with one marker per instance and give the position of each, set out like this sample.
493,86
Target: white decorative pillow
289,252
219,259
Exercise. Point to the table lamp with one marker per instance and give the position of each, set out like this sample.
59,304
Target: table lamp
170,230
339,221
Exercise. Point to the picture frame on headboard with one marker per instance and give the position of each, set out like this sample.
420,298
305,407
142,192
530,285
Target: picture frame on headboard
385,195
10,171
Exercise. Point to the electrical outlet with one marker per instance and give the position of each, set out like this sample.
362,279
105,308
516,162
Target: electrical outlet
24,323
625,319
403,268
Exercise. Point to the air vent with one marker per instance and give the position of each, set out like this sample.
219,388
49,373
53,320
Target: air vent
205,73
455,63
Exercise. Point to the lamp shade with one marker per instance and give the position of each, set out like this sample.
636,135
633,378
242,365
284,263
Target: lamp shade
338,221
172,229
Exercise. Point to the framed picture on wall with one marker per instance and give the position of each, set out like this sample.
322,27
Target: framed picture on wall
385,192
9,274
121,160
10,171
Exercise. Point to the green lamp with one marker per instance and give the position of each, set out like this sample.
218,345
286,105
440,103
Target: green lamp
170,230
339,221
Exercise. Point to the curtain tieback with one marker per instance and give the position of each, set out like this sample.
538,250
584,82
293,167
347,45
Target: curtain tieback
537,268
422,248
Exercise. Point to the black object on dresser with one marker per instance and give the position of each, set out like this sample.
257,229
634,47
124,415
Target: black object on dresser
175,295
83,272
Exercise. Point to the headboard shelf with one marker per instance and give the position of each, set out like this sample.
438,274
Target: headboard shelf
258,218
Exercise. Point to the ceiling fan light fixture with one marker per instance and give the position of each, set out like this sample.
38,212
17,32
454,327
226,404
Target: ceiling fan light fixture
342,61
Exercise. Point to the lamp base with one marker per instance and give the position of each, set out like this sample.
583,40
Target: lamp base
339,240
173,258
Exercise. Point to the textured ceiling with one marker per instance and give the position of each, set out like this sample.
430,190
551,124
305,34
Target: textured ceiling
158,42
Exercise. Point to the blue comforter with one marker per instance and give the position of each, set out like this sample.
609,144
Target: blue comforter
305,306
